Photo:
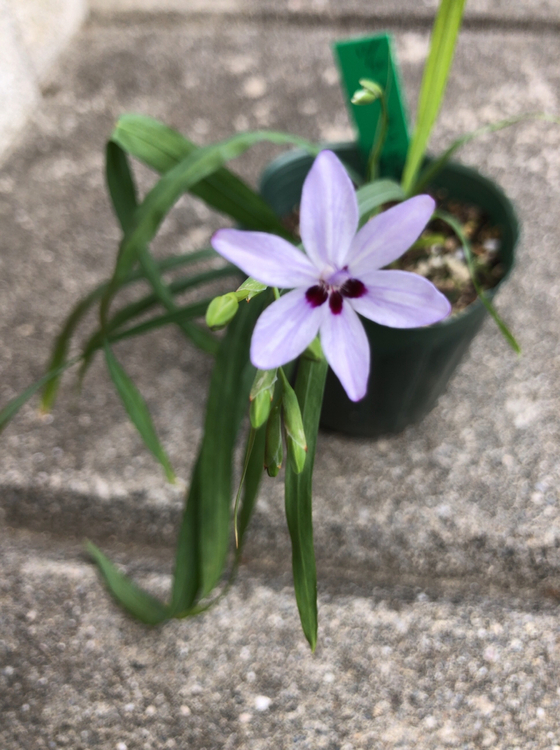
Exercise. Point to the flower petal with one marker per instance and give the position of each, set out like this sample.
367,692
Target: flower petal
400,299
389,234
346,349
285,329
267,258
328,212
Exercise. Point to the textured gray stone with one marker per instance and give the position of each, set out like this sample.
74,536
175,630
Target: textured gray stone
45,27
32,35
19,93
396,666
437,549
403,11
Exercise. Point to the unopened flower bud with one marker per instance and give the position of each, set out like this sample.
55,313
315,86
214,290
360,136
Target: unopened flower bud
221,311
261,396
249,289
293,423
370,92
273,447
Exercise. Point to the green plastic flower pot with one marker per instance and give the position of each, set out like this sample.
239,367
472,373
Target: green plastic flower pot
410,368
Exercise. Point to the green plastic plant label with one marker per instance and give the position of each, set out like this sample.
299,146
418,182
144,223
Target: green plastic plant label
372,58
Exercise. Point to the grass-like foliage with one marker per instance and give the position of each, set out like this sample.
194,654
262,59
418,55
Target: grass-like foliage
203,560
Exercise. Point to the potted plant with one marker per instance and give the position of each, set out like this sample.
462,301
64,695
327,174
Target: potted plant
281,414
412,365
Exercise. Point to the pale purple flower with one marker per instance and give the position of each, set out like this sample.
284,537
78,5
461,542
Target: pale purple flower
336,278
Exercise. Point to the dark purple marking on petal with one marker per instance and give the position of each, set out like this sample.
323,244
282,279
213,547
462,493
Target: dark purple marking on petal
316,295
353,288
335,303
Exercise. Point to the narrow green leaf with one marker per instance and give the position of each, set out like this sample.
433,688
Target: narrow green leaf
135,309
227,399
437,164
375,194
177,286
96,342
181,314
185,579
458,229
151,141
310,385
200,337
120,183
204,534
434,81
62,346
135,600
13,406
253,476
186,576
190,556
178,180
162,148
82,307
123,195
137,411
246,462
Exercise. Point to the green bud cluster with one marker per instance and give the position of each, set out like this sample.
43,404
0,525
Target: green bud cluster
273,445
370,92
261,396
293,425
283,419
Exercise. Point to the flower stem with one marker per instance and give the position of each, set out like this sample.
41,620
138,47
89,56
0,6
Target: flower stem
381,134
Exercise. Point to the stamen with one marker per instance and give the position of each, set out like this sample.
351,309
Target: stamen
335,303
316,295
353,288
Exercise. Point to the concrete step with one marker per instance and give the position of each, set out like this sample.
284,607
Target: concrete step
523,14
438,548
472,489
396,666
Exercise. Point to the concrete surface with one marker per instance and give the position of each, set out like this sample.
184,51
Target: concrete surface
439,569
45,27
402,11
32,34
19,92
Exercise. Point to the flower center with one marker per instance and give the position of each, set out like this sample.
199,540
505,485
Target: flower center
317,295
